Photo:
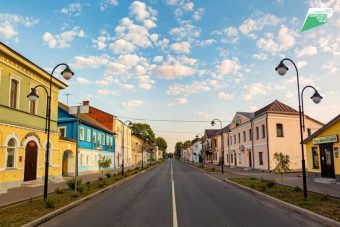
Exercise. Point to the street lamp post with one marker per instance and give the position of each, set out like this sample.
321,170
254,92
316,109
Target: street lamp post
282,69
33,96
222,142
123,156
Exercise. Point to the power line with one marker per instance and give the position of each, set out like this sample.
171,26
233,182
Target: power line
166,120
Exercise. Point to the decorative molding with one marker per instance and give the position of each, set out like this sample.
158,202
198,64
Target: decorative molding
31,134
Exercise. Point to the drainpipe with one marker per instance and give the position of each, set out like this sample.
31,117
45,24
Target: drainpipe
252,142
267,142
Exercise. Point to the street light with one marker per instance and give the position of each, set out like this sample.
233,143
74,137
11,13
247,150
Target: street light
282,69
129,125
222,142
33,96
316,97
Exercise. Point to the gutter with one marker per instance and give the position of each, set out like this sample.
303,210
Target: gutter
267,142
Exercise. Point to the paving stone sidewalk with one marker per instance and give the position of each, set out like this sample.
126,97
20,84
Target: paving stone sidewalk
16,195
290,179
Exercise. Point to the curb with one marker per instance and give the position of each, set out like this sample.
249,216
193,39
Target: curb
61,210
316,217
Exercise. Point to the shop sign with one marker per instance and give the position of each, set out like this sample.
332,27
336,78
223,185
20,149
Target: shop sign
326,139
336,152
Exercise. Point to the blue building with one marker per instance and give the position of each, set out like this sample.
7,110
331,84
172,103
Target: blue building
94,140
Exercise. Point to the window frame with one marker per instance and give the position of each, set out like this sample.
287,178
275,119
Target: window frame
81,133
14,155
315,158
244,136
277,132
88,135
62,127
17,98
263,129
260,158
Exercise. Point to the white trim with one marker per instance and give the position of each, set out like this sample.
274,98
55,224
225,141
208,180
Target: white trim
62,127
28,139
18,79
81,137
88,135
17,141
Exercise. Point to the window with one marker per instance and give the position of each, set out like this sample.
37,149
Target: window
94,137
82,159
32,107
107,140
81,133
315,156
99,139
309,131
14,94
239,138
88,134
263,131
62,131
279,130
111,141
238,121
11,150
227,158
261,158
244,136
231,140
103,139
239,158
87,159
232,158
257,133
234,139
250,135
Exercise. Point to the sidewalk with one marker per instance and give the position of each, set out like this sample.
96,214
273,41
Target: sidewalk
16,195
290,179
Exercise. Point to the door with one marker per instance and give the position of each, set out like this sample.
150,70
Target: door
235,159
31,154
327,161
249,155
65,164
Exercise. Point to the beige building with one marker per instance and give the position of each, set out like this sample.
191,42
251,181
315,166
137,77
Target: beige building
136,150
255,137
120,128
211,146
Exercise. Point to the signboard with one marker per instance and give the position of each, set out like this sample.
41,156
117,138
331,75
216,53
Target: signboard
82,109
326,139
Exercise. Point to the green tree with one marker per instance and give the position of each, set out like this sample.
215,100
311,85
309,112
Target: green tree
104,163
178,149
144,132
282,164
186,144
161,144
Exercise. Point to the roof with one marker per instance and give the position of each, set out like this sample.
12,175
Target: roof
326,126
224,130
86,119
211,132
276,106
248,115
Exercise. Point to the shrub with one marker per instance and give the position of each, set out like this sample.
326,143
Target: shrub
251,186
253,178
213,169
108,175
80,188
263,188
270,183
297,189
59,191
324,197
136,171
71,183
49,203
100,178
101,183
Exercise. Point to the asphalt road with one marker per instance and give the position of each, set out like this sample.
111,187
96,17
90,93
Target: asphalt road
200,200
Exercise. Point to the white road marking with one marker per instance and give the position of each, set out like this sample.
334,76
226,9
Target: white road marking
213,177
174,210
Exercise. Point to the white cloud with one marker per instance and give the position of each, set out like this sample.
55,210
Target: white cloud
207,42
82,80
227,66
121,46
254,89
307,51
225,96
301,64
195,87
186,31
72,9
132,103
170,72
104,4
189,6
63,39
260,56
9,24
181,47
100,42
128,87
158,59
179,101
106,92
171,2
144,14
331,68
81,62
198,14
228,35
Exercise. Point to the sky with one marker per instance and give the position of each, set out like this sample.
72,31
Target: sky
180,59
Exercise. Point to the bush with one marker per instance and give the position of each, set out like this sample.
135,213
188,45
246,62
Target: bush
100,178
49,203
263,188
71,183
270,183
297,189
59,191
253,178
324,197
251,186
213,169
136,171
108,175
80,189
101,183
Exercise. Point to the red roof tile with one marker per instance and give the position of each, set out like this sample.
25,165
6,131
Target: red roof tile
276,106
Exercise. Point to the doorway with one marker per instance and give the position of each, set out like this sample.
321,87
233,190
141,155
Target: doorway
249,156
31,155
327,161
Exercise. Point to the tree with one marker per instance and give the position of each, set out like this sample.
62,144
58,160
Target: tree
186,144
178,149
104,163
282,164
161,144
144,132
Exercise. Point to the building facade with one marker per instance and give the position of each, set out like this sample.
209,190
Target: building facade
136,150
94,140
22,122
255,137
197,147
123,143
211,145
322,149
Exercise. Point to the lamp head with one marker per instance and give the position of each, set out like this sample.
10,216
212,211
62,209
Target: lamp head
33,96
130,124
67,73
212,123
316,97
281,69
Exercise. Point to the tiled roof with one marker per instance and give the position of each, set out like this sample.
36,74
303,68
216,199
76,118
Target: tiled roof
211,132
276,106
86,119
326,126
224,130
248,115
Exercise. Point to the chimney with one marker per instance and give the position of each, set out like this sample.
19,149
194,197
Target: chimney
86,103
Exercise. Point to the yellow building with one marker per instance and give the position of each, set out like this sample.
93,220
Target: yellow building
122,142
22,122
322,149
137,147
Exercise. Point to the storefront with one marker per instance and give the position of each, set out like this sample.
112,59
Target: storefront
322,149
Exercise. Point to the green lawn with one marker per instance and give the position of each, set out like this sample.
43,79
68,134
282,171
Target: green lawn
317,203
25,212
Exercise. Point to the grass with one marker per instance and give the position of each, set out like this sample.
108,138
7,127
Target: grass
318,203
19,214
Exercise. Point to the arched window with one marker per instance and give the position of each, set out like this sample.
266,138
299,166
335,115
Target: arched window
11,150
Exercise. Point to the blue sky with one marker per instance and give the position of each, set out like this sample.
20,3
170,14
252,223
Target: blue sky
180,59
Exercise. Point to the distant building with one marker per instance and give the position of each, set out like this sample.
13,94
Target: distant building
211,146
197,148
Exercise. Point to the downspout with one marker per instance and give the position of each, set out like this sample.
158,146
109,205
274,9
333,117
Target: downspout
252,142
267,142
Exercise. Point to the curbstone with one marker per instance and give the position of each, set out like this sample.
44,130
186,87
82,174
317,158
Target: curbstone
314,216
61,210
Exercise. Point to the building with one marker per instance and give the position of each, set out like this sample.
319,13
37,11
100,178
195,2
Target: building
120,128
322,150
255,137
136,150
22,123
94,140
197,148
212,146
